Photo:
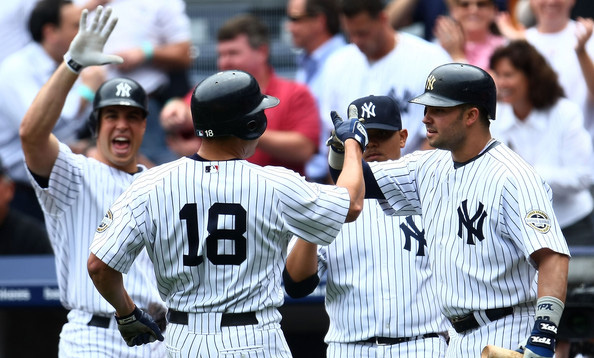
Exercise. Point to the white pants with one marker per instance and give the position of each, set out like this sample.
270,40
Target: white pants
420,348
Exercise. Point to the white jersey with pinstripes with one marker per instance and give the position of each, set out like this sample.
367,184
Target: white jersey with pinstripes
217,232
79,193
482,218
379,281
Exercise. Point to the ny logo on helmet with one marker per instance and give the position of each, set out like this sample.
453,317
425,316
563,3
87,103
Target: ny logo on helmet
430,81
368,110
123,89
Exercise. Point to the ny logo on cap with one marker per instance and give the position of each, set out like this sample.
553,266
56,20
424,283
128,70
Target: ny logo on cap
368,110
430,81
123,89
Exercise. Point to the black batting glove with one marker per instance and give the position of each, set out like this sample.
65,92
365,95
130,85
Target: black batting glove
138,328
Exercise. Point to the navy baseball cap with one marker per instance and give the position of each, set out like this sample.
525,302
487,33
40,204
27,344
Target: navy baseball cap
379,112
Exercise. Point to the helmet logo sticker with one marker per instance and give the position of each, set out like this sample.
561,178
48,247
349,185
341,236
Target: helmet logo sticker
368,110
430,81
123,89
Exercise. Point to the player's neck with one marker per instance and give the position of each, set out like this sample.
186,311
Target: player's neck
227,148
473,146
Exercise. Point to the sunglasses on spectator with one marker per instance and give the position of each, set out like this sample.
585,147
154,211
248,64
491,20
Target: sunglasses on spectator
297,18
479,4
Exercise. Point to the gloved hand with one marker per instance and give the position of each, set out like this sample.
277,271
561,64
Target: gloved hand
86,49
138,328
352,128
541,342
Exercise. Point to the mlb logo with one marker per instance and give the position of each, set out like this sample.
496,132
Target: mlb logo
212,169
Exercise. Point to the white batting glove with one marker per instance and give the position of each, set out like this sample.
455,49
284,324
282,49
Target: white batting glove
86,49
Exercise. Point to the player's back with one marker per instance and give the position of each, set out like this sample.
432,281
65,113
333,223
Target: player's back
218,231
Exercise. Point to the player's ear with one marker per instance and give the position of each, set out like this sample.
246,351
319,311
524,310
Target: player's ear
403,137
472,115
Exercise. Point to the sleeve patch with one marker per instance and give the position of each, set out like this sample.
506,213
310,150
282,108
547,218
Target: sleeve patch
107,220
538,220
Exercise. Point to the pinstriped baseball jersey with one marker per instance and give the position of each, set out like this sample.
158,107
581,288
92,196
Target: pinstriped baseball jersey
217,232
79,192
379,279
482,218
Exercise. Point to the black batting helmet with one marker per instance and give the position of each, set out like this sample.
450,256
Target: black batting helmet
118,92
229,103
454,84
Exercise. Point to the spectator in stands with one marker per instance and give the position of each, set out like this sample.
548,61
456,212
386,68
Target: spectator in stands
469,34
19,233
293,131
569,48
176,120
547,130
314,26
52,25
381,61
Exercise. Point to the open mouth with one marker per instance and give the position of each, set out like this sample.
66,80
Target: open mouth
120,144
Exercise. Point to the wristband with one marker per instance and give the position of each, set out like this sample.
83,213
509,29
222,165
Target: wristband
72,65
335,159
549,308
148,49
85,92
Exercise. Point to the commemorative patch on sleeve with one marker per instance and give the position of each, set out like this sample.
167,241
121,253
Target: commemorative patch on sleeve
107,219
538,220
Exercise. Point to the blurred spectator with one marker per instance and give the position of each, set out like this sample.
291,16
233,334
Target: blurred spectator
293,131
568,47
547,130
153,37
314,26
19,234
176,120
52,25
379,61
469,34
13,25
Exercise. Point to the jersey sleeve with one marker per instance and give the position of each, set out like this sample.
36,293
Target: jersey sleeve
528,216
398,182
119,238
65,183
312,211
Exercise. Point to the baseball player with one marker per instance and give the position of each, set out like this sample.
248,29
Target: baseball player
379,294
488,220
217,227
75,192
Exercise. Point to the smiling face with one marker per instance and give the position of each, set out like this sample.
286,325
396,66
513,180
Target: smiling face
552,15
120,134
512,84
474,15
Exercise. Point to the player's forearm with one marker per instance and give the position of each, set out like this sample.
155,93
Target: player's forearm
302,261
287,146
587,67
110,285
351,178
39,145
552,273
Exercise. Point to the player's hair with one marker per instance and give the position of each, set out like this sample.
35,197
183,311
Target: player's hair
45,12
245,24
330,10
543,82
351,8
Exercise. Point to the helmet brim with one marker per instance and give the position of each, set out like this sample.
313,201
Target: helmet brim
267,102
434,100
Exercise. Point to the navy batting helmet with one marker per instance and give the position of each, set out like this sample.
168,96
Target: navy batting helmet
454,84
229,103
117,92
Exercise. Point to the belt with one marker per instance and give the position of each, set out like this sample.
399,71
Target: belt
467,322
99,321
227,319
384,341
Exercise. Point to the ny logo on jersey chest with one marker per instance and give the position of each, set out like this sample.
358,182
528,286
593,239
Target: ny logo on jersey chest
411,231
473,225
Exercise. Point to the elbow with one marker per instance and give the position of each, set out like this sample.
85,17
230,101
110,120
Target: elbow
354,212
95,267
